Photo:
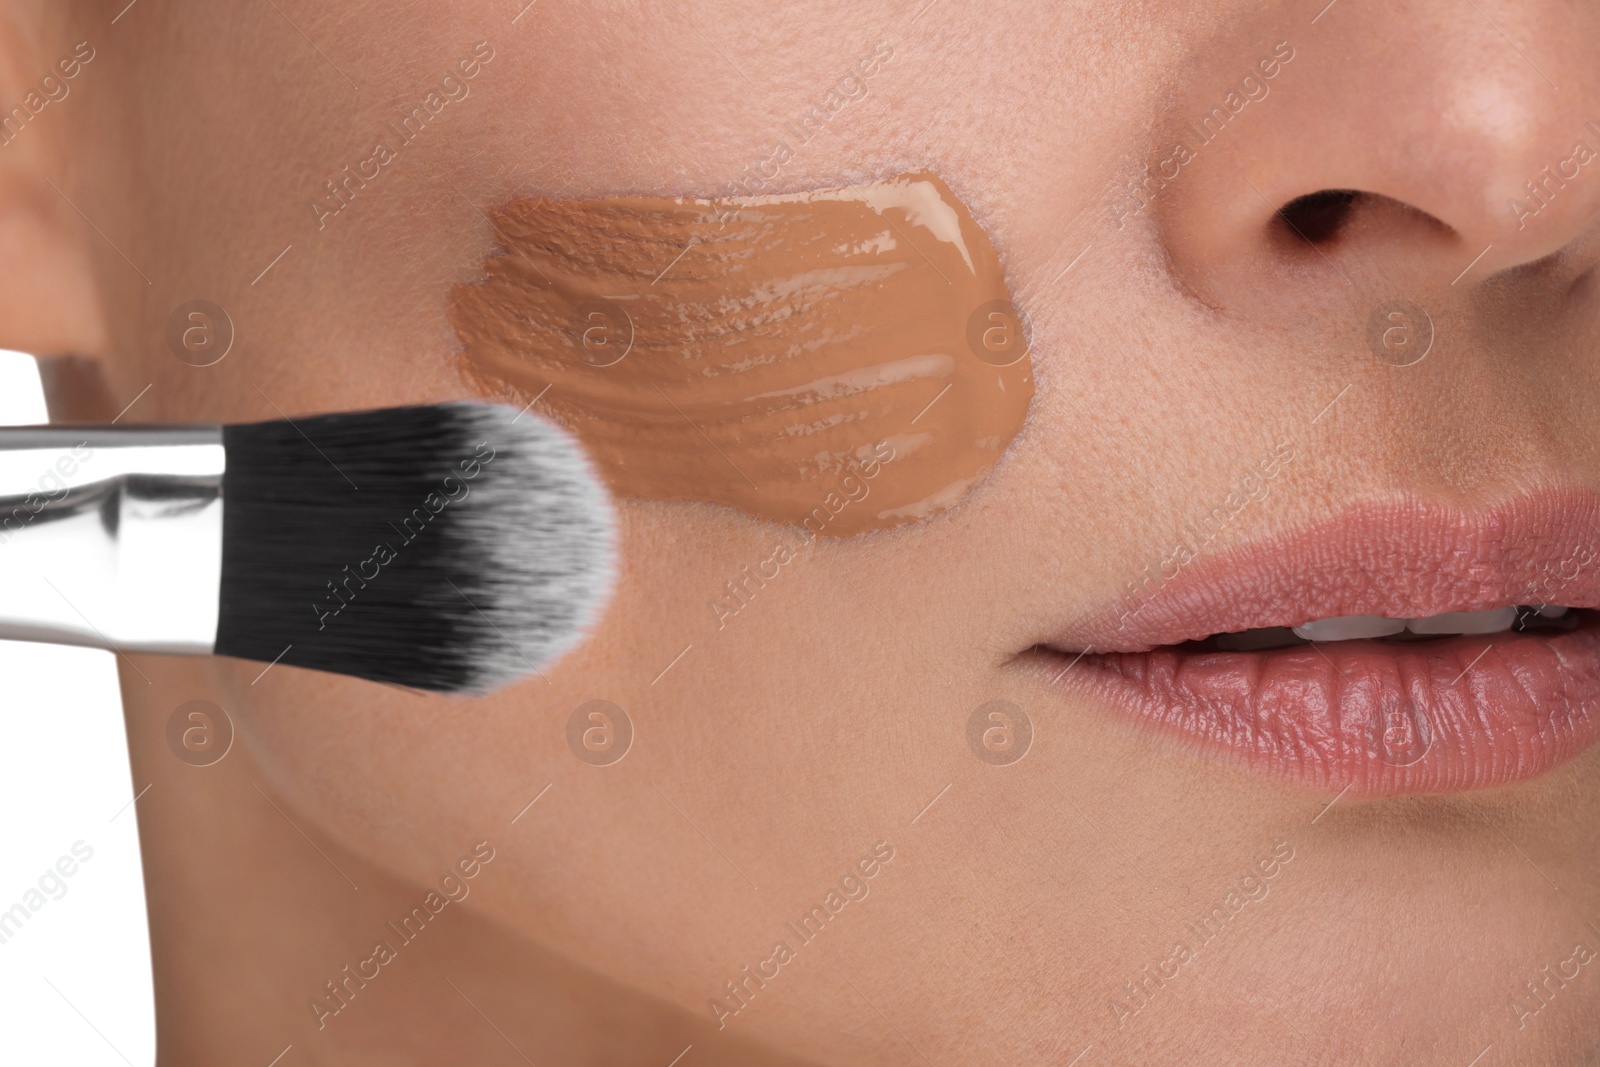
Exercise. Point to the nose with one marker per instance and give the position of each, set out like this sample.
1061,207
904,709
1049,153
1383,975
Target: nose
1417,148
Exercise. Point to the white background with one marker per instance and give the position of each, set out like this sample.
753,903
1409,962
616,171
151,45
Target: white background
75,979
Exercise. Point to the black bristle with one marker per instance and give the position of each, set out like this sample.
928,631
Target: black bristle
451,547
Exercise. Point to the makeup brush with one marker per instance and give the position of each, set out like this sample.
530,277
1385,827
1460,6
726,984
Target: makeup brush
454,547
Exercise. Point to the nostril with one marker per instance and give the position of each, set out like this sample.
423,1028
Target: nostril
1317,217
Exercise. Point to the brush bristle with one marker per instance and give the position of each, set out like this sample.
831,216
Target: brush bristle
453,547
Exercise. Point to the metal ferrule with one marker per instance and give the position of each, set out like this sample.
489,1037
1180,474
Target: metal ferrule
111,538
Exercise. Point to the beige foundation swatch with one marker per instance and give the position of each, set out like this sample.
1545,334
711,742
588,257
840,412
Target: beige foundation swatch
847,360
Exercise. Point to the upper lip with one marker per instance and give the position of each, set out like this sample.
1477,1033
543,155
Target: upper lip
1401,559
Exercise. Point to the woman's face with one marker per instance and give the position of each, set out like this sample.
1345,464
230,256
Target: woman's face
1246,416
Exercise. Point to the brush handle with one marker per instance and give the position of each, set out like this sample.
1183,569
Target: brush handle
111,538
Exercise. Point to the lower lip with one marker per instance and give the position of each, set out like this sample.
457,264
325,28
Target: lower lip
1367,717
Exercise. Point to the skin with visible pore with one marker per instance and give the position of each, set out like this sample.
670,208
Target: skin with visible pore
1118,894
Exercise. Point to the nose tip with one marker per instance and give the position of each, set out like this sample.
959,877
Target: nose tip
1539,195
1412,148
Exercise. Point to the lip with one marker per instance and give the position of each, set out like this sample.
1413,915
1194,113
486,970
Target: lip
1366,717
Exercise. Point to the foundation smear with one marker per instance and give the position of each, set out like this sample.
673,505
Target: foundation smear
847,360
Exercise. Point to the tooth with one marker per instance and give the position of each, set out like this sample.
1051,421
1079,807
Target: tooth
1465,622
1349,627
1552,611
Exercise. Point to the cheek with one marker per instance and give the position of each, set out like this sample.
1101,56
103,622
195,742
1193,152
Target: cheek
800,736
364,761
